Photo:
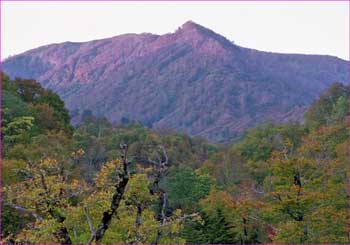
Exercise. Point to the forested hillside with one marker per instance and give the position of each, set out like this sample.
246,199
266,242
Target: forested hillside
105,183
192,80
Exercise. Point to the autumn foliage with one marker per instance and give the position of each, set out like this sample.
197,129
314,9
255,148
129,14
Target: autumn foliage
104,183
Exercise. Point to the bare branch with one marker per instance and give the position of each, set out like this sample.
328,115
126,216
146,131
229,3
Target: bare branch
138,222
22,209
160,168
62,234
165,155
91,226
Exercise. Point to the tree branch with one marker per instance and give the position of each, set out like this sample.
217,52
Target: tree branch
117,196
22,209
91,226
62,234
160,168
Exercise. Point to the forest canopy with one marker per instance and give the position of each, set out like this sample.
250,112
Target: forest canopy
102,183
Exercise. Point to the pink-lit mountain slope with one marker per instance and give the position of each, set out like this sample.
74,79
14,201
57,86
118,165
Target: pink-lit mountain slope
192,80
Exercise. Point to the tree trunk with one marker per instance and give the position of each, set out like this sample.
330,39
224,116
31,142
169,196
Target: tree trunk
116,199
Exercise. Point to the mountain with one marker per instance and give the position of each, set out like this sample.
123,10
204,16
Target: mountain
192,80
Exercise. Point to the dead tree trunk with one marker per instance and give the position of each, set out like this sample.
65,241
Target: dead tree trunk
160,167
138,222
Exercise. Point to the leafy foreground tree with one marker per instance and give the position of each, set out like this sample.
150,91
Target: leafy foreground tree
308,192
227,219
45,195
278,184
119,207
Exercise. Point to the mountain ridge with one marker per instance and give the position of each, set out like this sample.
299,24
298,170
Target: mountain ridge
191,80
187,25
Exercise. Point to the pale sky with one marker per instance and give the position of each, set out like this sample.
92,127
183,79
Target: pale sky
286,27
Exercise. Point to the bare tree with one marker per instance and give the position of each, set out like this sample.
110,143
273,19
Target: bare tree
160,167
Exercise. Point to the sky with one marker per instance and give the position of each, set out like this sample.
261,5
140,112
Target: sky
285,27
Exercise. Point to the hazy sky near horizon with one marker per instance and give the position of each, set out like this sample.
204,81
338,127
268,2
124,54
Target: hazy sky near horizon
286,27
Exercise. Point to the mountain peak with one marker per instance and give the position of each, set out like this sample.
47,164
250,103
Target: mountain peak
191,25
196,32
